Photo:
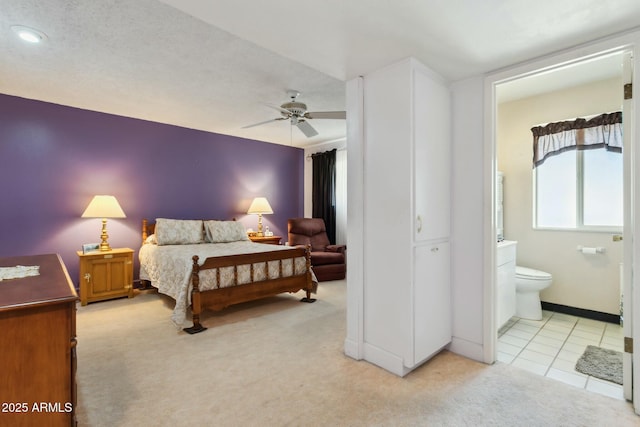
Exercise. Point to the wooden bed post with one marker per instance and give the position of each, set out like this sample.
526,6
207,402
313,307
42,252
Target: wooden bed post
196,307
308,298
144,230
144,284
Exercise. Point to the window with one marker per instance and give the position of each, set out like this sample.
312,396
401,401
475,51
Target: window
602,188
580,190
578,174
556,192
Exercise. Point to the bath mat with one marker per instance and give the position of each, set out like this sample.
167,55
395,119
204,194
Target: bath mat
601,363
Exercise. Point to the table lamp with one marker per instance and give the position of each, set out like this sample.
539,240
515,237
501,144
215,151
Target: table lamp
260,206
104,207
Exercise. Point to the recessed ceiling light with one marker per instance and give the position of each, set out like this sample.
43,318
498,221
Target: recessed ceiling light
27,34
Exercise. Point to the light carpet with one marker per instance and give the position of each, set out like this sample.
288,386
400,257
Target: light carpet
601,363
279,362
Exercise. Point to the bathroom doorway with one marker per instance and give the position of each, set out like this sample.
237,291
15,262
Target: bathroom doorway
600,70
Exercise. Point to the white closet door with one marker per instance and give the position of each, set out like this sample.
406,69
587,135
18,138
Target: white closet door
431,157
432,300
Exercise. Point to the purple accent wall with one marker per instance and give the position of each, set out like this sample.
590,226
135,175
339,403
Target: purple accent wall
54,159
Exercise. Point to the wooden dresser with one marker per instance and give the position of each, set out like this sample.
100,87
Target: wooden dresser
38,345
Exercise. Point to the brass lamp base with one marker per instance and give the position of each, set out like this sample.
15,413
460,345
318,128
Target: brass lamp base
260,233
104,245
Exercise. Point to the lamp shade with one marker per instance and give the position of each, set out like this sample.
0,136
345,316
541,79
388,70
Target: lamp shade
260,205
103,207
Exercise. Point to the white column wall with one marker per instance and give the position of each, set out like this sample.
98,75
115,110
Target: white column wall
354,341
467,217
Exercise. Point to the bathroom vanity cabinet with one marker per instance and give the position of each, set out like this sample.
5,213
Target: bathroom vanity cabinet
506,282
406,302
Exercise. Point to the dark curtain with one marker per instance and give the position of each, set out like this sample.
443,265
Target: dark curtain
324,190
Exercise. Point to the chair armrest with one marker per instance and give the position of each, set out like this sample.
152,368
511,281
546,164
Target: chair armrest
336,248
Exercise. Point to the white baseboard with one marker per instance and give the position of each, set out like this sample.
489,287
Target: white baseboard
385,360
468,349
351,349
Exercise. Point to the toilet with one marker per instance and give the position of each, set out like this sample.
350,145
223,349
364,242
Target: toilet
529,283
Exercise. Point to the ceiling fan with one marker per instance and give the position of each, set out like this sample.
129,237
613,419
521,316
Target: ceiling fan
296,112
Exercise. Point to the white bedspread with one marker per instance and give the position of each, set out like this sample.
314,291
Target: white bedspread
169,268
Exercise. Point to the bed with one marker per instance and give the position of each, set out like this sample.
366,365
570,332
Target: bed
209,264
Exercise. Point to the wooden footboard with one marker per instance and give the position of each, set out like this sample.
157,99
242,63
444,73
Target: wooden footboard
217,299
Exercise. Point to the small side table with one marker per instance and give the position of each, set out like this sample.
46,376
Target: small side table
106,275
270,240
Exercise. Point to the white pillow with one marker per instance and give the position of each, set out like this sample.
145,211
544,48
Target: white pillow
225,231
151,240
179,231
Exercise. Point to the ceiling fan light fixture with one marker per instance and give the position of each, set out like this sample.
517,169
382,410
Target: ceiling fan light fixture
295,108
297,114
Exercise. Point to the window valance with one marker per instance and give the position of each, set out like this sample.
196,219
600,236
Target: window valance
604,130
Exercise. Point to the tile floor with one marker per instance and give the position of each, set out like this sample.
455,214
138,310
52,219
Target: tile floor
552,346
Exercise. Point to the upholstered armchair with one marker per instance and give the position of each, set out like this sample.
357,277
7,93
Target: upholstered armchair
328,261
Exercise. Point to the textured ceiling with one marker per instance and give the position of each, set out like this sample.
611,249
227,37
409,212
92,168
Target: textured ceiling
212,64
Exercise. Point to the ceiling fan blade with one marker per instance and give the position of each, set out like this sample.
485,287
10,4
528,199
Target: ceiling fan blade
262,123
306,128
337,115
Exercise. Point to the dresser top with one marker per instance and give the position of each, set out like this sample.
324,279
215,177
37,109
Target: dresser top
52,286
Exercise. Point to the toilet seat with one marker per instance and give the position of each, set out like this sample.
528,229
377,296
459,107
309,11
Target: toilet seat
531,274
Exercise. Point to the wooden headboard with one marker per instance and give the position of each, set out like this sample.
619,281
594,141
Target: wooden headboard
147,229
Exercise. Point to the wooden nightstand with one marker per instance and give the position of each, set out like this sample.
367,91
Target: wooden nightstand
106,275
271,240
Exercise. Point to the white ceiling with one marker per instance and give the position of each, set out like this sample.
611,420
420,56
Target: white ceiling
212,64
